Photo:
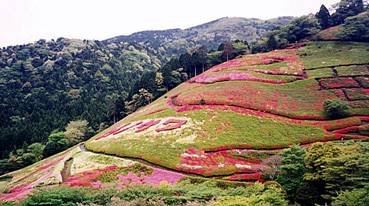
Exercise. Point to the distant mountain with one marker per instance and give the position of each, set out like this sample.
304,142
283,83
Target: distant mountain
210,34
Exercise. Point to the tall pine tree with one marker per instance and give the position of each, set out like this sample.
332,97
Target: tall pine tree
323,17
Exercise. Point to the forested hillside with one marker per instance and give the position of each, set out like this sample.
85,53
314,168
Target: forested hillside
211,34
49,83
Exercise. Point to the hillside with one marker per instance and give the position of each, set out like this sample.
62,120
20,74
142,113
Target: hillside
354,28
211,34
92,80
229,123
46,84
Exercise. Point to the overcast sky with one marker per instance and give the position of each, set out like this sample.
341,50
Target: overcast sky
24,21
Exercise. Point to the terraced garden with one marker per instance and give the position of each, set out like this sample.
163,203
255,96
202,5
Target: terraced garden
229,123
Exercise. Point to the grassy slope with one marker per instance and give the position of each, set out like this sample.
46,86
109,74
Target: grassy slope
217,127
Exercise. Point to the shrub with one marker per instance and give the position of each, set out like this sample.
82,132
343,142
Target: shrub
336,109
356,197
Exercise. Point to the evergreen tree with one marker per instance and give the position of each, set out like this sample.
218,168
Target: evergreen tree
347,8
323,17
272,42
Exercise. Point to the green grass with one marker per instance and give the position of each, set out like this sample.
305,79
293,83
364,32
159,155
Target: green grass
319,73
103,159
352,70
322,54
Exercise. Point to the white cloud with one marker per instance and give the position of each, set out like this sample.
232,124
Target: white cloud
23,21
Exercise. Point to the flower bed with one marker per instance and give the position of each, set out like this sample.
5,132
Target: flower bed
257,176
357,94
140,126
157,177
339,93
234,76
88,178
171,124
275,100
122,177
220,162
146,125
335,83
364,81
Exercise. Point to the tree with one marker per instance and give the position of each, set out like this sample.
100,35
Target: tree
200,57
272,43
323,17
138,100
292,171
76,130
56,143
227,49
356,28
338,166
37,150
347,8
336,109
355,197
302,27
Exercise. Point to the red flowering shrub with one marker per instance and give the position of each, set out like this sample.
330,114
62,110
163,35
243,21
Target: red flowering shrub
364,81
341,82
257,176
339,93
357,94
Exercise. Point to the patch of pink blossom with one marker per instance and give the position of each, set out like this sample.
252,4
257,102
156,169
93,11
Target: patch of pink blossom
341,82
157,177
88,178
146,125
171,124
234,76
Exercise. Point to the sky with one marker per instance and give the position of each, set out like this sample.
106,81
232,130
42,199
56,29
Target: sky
26,21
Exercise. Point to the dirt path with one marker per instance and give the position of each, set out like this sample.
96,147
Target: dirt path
65,173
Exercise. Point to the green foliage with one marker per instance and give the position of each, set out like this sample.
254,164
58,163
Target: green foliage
356,28
272,43
76,130
56,143
47,84
292,170
324,17
340,166
183,193
141,99
68,196
347,8
292,32
355,197
336,109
